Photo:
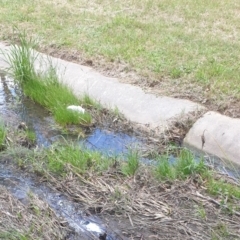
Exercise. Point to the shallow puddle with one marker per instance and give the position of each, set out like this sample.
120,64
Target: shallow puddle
15,108
47,131
87,227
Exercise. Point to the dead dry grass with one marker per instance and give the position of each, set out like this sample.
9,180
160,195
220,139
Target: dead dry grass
32,221
147,209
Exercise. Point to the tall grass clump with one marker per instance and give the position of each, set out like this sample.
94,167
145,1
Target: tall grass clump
187,164
21,59
131,165
79,159
184,166
3,133
43,87
164,170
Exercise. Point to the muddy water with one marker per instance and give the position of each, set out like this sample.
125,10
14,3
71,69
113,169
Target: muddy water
15,108
86,227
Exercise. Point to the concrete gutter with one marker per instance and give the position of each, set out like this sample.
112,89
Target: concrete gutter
222,133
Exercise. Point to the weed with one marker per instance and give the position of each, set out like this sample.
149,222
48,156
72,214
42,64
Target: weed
44,87
165,170
21,59
3,133
201,212
131,165
81,159
14,235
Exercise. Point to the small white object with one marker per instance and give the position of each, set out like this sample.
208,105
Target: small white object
76,108
93,227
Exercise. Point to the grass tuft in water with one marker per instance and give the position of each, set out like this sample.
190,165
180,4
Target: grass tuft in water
21,59
3,133
184,166
44,87
130,167
60,157
187,165
164,170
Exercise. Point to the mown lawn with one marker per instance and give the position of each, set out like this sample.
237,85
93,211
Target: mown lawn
173,41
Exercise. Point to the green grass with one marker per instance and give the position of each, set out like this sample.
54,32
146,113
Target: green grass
14,235
201,212
43,87
31,135
222,188
3,133
177,41
131,165
58,157
185,166
21,59
87,101
164,170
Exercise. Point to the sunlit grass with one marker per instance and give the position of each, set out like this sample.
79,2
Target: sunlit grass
43,87
3,133
82,160
132,163
193,41
186,165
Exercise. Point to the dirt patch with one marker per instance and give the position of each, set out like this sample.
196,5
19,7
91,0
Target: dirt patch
151,83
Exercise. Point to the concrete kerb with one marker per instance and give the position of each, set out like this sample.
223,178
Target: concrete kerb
221,136
131,101
147,109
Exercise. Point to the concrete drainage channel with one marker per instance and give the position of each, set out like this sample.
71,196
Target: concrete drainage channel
220,132
15,109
